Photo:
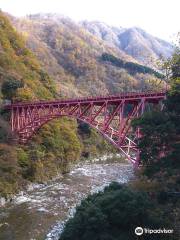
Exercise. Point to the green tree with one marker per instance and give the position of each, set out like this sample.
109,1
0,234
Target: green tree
160,144
113,215
9,88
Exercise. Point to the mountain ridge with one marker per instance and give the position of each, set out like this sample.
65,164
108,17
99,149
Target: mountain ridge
72,57
134,41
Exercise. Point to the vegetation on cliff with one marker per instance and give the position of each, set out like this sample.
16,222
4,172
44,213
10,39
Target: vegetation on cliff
57,144
17,63
20,74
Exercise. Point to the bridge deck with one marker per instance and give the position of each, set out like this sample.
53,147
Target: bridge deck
127,96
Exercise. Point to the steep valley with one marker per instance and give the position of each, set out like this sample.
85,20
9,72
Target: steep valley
47,56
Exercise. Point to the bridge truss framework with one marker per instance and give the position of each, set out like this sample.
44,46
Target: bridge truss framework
111,116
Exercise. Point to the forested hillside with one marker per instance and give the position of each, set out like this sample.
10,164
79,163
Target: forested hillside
18,64
72,56
57,144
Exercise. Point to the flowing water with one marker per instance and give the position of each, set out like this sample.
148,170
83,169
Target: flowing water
40,214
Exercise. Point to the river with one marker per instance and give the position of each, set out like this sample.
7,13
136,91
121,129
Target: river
39,214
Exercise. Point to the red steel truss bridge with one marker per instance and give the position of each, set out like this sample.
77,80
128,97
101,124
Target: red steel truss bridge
110,115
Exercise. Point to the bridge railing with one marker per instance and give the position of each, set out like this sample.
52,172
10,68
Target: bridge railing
92,98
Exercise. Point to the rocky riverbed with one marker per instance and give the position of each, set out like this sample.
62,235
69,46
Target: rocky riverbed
40,213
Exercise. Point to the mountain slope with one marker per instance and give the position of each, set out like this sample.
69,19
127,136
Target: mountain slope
22,78
72,56
58,143
133,41
143,46
18,63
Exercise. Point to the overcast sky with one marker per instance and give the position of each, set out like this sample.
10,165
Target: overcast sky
158,17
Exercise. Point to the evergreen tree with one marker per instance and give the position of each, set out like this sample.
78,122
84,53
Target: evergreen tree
160,144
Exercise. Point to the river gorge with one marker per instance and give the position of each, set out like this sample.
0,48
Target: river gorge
40,213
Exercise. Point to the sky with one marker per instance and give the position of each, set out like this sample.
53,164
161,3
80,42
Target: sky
160,18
